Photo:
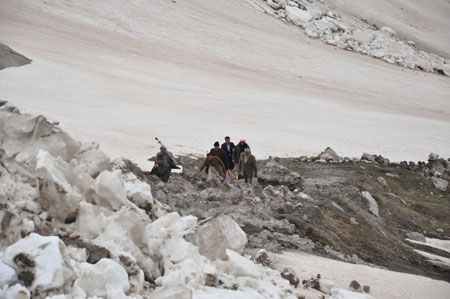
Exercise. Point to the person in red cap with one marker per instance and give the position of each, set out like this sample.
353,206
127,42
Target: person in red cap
242,145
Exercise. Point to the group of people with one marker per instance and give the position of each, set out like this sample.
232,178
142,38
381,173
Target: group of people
226,156
223,158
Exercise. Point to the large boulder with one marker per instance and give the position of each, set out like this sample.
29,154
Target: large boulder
273,173
215,236
439,183
40,262
368,158
329,155
373,206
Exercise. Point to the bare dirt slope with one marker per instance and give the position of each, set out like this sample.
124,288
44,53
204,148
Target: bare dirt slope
191,72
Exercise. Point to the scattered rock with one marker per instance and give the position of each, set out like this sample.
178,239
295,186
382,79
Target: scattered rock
373,206
366,289
416,236
355,286
273,173
439,183
329,155
383,182
289,274
262,258
368,157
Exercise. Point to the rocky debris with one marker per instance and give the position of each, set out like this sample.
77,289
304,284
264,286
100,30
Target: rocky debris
214,236
72,224
373,206
329,155
318,20
9,57
366,289
368,158
323,285
289,274
439,183
273,173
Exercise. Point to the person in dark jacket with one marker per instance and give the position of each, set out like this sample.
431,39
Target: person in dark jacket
166,157
239,149
228,148
247,166
161,169
215,162
218,152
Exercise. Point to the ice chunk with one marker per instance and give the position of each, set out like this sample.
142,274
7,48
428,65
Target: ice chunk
110,191
106,278
41,261
297,15
215,236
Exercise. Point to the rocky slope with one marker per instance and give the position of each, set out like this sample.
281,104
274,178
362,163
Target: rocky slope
354,209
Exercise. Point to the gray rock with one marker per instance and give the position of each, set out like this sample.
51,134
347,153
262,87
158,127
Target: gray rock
329,155
432,157
439,183
9,57
373,206
366,289
383,182
367,157
289,274
416,236
273,173
355,285
262,258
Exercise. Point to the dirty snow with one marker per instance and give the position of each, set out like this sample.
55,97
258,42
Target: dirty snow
383,283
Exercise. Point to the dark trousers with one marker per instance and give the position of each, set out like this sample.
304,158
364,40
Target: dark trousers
248,179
